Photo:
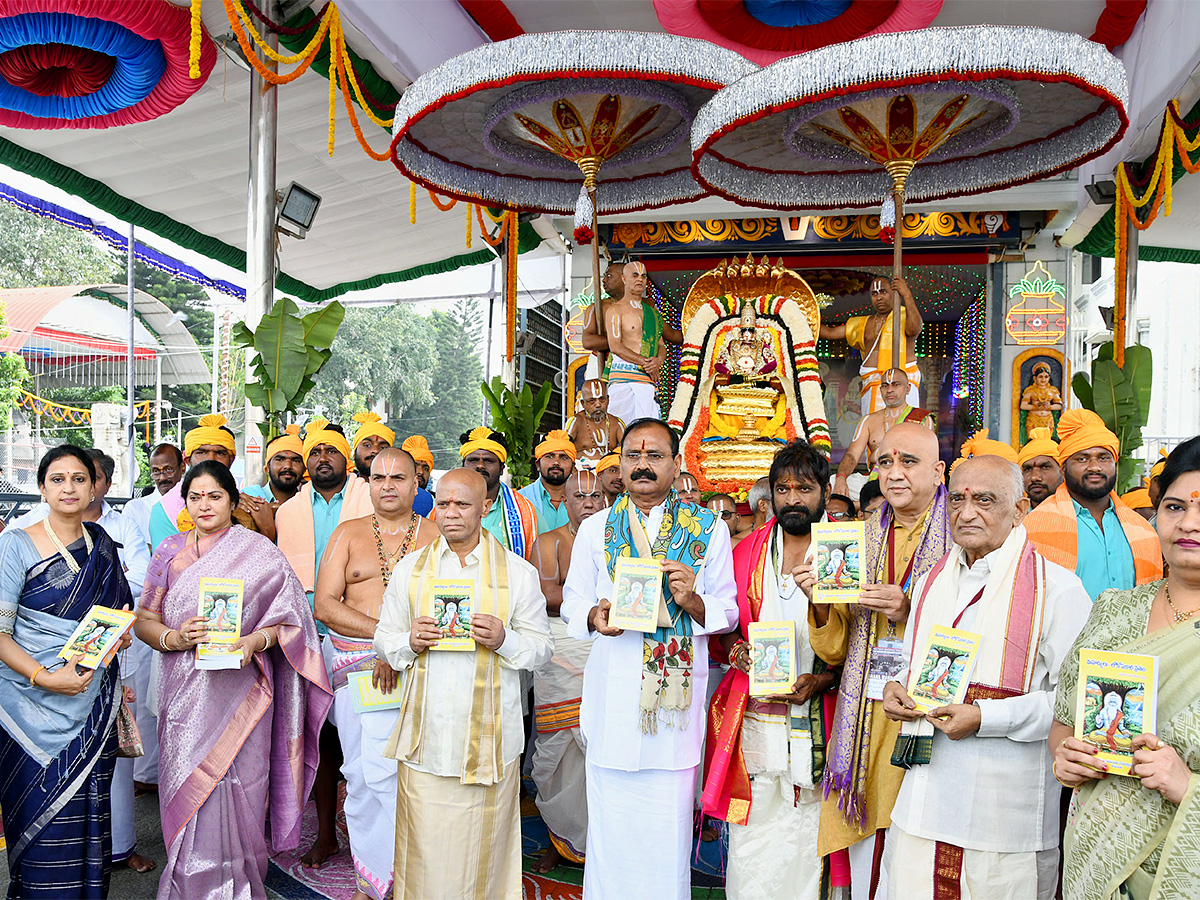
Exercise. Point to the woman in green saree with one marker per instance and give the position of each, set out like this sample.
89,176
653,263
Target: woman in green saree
1139,837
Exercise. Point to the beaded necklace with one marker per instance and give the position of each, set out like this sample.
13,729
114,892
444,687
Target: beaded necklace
388,560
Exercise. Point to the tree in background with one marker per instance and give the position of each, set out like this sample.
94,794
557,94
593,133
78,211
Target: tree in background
457,405
37,252
381,355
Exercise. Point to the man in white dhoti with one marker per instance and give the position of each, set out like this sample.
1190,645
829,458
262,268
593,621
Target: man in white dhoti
977,814
355,568
765,755
643,706
459,735
558,759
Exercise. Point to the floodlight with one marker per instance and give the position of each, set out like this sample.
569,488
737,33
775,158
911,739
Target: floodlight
299,207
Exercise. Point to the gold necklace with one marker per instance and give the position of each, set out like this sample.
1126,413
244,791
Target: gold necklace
63,552
386,559
1175,613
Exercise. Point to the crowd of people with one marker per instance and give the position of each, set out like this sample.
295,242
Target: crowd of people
353,582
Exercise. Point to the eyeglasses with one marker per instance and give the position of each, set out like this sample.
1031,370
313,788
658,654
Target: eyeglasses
840,515
725,513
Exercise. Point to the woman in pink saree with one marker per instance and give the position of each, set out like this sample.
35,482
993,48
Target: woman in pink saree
234,743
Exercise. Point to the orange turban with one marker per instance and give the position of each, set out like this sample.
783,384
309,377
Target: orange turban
288,441
979,444
1082,429
316,433
555,442
1040,444
607,462
418,448
1156,469
208,432
370,425
481,439
1139,499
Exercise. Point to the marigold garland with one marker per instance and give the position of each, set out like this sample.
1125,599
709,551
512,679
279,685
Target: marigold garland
412,203
194,45
235,15
500,220
470,225
510,286
1157,191
438,203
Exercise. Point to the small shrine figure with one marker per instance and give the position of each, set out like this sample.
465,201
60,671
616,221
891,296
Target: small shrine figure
1041,400
749,354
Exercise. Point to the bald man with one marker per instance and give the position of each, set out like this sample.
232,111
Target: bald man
355,569
905,538
894,389
558,756
634,330
594,431
458,826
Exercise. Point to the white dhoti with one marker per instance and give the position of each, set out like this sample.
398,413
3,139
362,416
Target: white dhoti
558,754
142,675
630,392
639,840
456,840
919,868
370,778
120,795
774,853
872,378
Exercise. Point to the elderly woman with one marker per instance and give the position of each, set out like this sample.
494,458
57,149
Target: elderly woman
58,739
1136,837
234,739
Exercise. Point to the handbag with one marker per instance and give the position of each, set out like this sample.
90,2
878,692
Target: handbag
129,738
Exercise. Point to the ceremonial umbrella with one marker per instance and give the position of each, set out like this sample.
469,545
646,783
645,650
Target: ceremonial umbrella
523,123
972,109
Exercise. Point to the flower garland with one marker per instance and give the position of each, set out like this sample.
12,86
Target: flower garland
510,285
1158,189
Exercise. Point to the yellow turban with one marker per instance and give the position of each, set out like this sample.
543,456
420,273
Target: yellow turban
209,433
481,439
288,442
1156,469
371,425
1082,429
418,448
1139,499
979,444
556,442
316,432
1040,444
607,462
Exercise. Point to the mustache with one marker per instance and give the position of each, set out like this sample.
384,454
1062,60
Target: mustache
639,474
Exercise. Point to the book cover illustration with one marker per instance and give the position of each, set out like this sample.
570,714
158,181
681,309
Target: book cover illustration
637,593
1117,699
220,603
944,671
838,561
453,602
97,636
367,697
772,658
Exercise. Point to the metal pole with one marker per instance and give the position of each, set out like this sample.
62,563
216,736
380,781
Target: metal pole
158,398
131,428
898,335
214,402
260,226
179,428
565,310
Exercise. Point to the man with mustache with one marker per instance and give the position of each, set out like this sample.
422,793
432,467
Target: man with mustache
356,568
904,539
303,526
166,469
558,757
642,713
760,776
508,515
555,457
609,472
285,472
596,432
1038,460
1084,526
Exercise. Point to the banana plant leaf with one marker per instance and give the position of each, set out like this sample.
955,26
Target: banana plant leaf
1138,369
1112,395
1083,390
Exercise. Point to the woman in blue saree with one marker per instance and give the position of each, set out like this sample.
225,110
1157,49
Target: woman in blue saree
57,721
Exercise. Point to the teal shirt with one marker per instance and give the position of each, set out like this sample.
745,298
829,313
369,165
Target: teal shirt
325,518
261,491
549,517
1105,557
493,523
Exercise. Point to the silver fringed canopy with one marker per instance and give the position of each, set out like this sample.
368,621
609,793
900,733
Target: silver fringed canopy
509,123
975,109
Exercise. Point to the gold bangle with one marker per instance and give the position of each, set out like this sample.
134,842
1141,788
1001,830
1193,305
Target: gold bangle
36,672
1054,772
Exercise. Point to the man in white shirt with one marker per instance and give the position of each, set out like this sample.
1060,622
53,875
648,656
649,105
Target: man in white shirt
166,470
977,814
644,722
458,823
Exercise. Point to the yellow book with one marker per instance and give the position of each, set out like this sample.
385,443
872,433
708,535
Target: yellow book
453,601
637,594
1116,700
941,673
97,636
367,697
220,603
838,561
772,658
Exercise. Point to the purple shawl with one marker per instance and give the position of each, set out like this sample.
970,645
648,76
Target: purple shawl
850,739
287,683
